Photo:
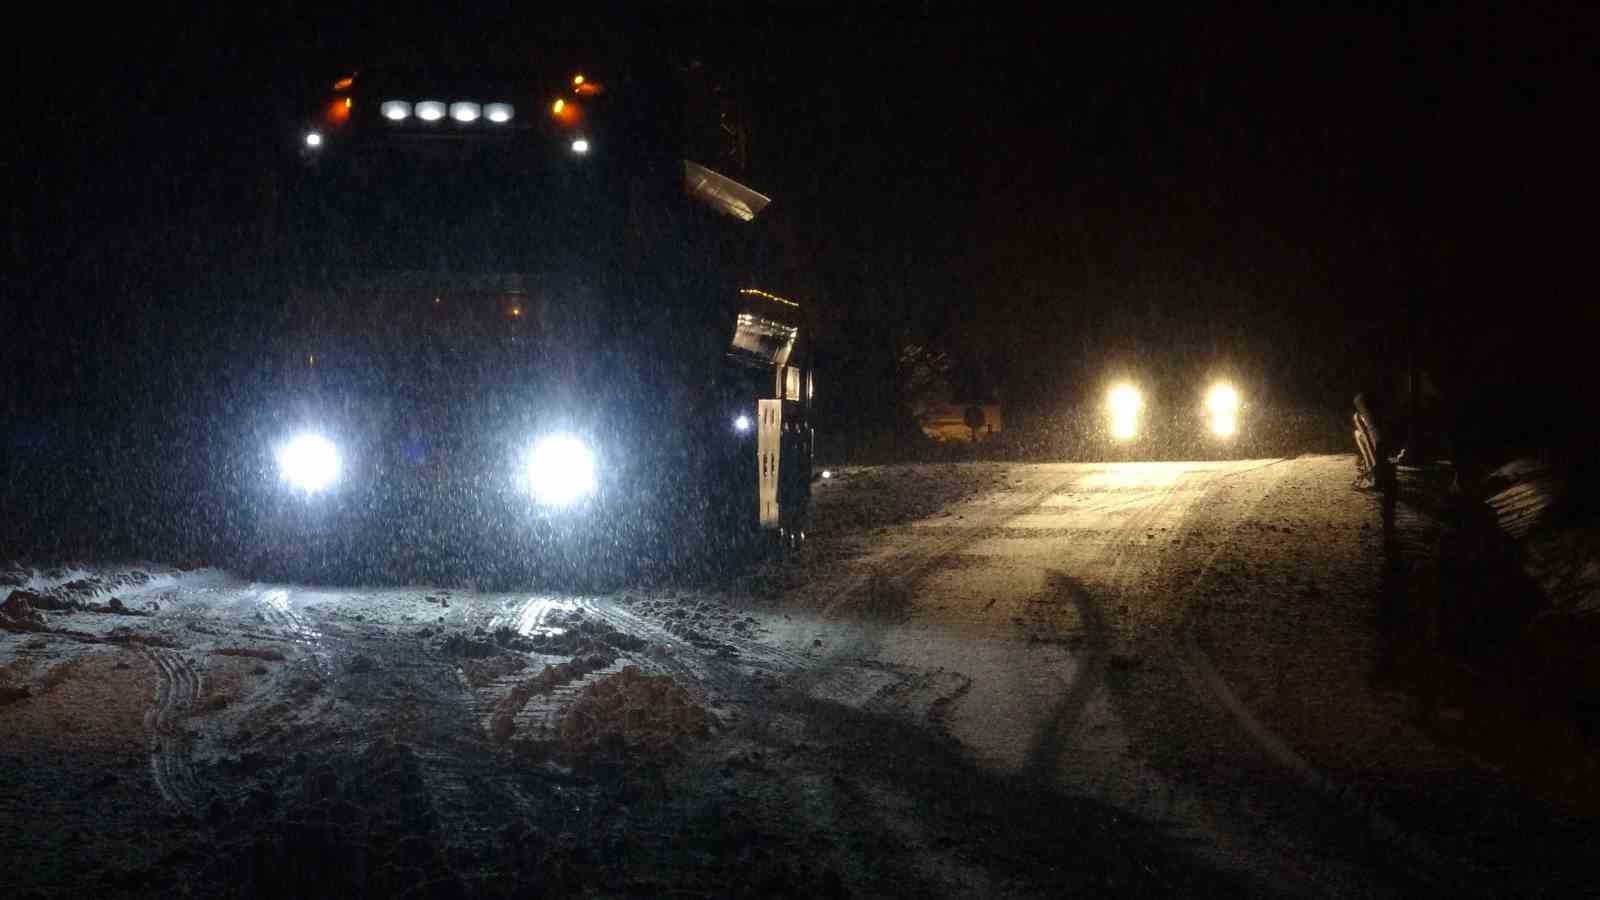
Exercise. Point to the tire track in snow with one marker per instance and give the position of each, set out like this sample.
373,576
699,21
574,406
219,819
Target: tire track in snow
1053,741
855,683
177,689
1045,755
279,613
1422,859
718,672
663,653
916,562
674,650
724,672
1113,774
859,682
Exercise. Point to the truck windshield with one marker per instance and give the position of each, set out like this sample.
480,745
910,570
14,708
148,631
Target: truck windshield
459,206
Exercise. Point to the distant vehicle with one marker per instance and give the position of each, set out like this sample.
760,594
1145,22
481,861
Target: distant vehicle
525,337
1212,425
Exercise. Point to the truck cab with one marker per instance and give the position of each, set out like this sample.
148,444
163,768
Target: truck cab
523,330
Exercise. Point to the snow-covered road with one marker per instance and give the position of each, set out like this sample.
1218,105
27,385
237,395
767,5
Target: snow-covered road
1026,622
976,680
1017,595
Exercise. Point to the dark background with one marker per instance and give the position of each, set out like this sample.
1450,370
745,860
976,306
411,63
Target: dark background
1046,197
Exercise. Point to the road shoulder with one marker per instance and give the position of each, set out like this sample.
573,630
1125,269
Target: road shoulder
1290,614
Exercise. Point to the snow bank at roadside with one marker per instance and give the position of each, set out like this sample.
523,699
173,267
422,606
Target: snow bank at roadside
81,586
81,602
1566,564
1535,504
1531,502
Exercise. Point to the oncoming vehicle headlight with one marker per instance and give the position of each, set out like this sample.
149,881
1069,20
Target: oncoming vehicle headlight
1222,410
430,110
1125,403
308,462
395,110
498,112
560,470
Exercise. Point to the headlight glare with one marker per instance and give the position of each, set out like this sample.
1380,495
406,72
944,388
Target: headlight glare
308,462
1222,410
560,470
1222,399
498,112
395,110
430,110
1125,404
465,111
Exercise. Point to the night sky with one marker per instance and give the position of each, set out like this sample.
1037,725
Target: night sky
1047,199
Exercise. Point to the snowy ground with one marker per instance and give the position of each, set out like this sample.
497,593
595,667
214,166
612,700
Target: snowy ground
975,680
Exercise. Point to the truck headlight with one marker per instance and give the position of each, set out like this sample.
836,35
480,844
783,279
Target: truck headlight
308,462
560,470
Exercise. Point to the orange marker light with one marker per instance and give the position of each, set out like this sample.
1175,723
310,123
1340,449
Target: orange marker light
339,111
577,80
566,113
344,83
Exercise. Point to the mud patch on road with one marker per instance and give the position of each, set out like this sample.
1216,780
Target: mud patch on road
484,672
503,722
260,653
91,701
649,713
18,613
